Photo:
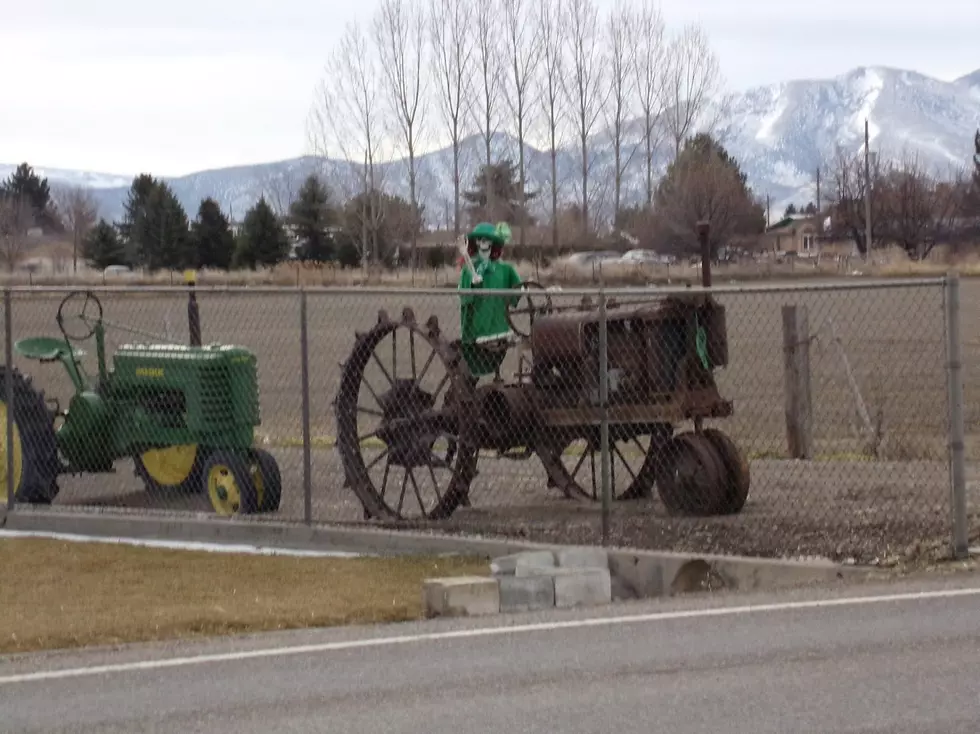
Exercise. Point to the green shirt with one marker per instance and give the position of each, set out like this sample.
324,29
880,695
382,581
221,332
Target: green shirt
482,316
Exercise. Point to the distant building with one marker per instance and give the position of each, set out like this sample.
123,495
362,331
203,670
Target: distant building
798,234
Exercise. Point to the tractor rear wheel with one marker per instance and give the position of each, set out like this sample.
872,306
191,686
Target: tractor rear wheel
35,447
267,480
229,484
170,469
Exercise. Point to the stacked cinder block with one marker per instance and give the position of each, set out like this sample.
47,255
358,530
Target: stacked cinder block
525,582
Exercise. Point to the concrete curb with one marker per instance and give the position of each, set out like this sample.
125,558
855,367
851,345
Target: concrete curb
635,573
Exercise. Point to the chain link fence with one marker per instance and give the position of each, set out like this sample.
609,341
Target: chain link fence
803,420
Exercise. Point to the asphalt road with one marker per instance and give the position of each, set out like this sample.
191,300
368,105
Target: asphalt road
882,665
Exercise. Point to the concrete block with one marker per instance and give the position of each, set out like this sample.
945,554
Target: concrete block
636,576
582,558
510,565
582,587
461,596
526,593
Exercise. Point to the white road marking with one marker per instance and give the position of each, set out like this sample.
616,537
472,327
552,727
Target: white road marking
185,545
159,664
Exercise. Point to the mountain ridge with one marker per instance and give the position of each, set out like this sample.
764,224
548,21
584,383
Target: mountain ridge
780,133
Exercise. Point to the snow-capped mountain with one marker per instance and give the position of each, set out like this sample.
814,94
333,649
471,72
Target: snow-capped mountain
780,134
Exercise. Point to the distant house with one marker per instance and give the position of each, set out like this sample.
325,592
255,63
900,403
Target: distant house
797,234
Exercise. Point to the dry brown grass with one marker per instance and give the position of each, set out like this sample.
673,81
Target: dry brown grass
885,263
62,595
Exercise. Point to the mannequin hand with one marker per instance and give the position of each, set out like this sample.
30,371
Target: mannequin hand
477,281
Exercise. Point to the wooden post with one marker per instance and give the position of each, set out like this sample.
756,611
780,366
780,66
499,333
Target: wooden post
796,373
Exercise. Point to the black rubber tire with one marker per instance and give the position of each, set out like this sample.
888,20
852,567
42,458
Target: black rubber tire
268,467
238,466
40,463
737,475
702,495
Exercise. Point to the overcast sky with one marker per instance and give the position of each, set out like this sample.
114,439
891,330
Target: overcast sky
119,86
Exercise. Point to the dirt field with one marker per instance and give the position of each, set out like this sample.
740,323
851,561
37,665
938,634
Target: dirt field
891,339
59,594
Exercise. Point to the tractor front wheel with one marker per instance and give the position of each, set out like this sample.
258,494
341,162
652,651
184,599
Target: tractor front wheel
35,447
230,484
267,480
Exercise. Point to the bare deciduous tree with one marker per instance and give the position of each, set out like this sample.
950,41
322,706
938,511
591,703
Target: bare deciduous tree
452,52
846,185
649,55
622,88
693,80
79,211
280,190
16,218
918,210
705,188
345,118
399,31
488,58
584,85
550,71
522,51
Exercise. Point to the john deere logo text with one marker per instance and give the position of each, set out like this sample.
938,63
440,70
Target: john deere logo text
149,371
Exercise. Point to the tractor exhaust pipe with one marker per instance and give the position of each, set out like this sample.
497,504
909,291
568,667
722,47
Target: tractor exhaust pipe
193,311
703,229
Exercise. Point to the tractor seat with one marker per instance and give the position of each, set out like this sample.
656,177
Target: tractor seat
46,349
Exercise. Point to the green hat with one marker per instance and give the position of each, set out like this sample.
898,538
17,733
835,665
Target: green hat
498,235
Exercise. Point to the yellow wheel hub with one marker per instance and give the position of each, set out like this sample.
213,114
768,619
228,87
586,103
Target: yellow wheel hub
171,466
226,498
18,451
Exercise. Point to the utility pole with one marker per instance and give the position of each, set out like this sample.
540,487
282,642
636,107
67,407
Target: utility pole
768,213
819,210
867,189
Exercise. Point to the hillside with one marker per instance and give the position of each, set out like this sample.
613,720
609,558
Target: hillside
780,133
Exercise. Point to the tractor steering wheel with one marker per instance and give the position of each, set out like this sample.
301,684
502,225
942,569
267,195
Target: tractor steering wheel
533,307
82,301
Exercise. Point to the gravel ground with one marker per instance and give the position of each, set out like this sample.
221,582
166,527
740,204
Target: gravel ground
866,512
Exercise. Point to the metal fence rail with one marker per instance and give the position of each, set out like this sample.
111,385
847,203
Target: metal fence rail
846,404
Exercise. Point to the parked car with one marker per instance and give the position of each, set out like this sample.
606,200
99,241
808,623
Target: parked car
585,259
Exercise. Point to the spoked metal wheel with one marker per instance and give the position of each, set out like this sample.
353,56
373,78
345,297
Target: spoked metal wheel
573,461
535,301
402,429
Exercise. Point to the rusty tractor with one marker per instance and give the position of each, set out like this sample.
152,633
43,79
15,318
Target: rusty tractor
431,422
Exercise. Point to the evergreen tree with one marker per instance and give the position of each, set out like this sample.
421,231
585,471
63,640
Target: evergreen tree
790,211
312,216
25,185
132,228
211,239
504,182
165,241
263,240
102,246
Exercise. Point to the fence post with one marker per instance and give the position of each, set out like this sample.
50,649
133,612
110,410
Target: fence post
604,424
9,396
954,382
304,348
796,374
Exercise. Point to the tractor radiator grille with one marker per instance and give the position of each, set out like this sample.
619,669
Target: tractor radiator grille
217,403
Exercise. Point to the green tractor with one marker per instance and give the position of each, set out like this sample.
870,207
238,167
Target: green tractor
186,415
